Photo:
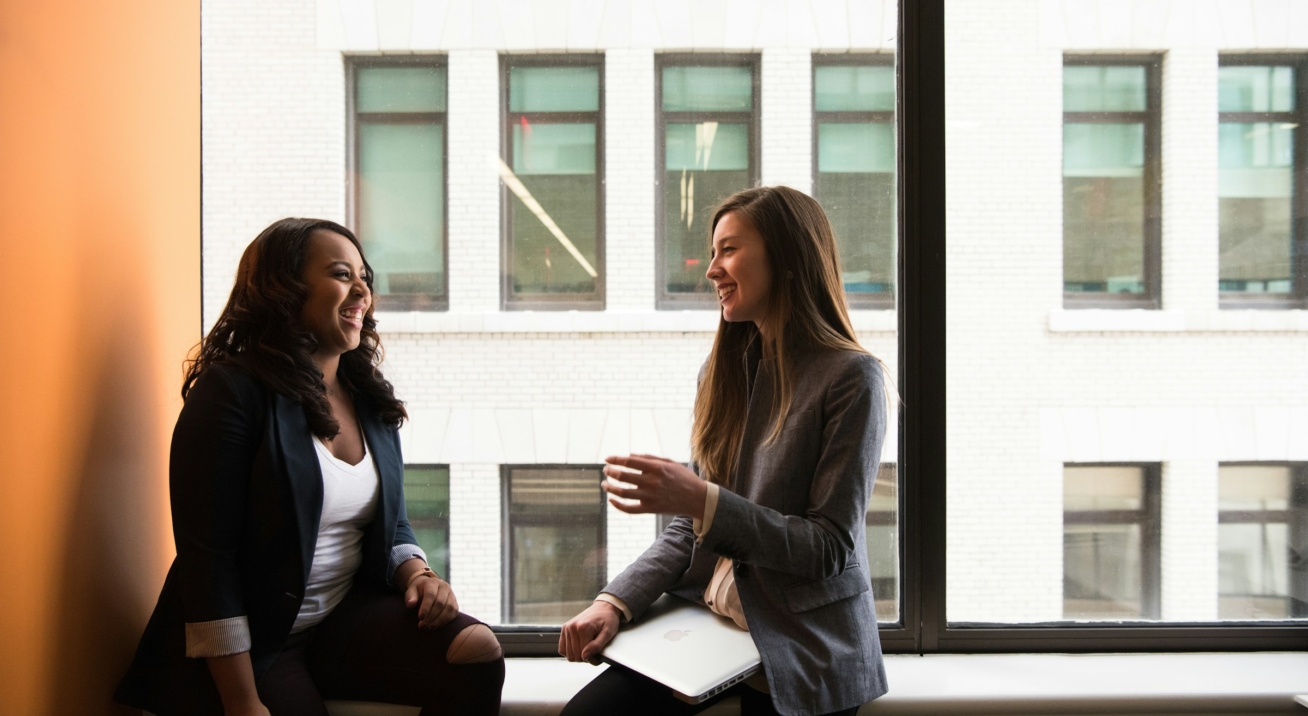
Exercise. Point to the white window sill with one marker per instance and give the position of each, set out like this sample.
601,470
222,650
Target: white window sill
990,683
1136,320
583,321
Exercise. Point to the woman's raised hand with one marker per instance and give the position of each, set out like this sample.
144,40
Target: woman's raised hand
434,599
660,485
586,635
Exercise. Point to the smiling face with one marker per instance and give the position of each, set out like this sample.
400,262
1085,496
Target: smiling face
740,270
338,297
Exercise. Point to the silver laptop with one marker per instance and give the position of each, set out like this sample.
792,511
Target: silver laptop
686,647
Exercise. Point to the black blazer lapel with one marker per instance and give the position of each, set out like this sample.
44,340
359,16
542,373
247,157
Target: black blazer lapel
303,473
390,472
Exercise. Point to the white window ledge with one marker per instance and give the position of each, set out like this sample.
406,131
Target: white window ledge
988,684
583,321
1136,320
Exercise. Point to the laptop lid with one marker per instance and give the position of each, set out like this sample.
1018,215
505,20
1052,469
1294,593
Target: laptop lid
686,647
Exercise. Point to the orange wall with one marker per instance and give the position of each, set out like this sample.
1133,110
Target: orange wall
100,228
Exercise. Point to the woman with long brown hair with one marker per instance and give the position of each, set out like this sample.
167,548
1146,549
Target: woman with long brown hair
297,575
789,420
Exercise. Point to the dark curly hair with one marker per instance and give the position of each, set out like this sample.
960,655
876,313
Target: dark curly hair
260,330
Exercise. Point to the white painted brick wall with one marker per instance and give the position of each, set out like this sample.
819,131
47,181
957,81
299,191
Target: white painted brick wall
1189,129
476,556
629,178
787,117
473,183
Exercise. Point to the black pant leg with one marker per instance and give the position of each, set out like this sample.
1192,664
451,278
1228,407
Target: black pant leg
622,691
287,688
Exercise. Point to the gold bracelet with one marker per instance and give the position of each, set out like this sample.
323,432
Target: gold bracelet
426,572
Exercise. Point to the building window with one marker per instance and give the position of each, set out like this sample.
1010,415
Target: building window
854,169
1262,542
553,182
883,542
397,197
427,500
555,541
1111,190
707,150
1260,133
1111,542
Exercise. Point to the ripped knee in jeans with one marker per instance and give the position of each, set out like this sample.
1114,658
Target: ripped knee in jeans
474,645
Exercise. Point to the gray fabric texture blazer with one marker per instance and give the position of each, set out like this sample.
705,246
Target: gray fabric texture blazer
792,519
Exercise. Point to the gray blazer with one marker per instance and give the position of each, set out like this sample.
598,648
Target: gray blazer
792,519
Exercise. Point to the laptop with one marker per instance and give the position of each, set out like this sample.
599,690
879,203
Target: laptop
686,647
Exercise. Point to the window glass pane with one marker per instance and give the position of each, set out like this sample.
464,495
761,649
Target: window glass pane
540,149
707,89
402,205
1261,541
1255,89
1255,187
559,177
705,163
1103,207
401,89
883,543
1105,528
856,186
427,499
852,88
556,543
554,89
1104,89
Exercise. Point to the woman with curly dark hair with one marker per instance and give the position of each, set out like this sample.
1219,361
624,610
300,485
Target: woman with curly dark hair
298,577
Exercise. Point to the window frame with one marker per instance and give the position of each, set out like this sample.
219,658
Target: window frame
1151,117
665,300
1149,517
1295,529
353,63
859,301
448,534
506,538
1298,296
594,301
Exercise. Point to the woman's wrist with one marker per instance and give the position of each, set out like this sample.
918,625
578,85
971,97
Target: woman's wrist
424,573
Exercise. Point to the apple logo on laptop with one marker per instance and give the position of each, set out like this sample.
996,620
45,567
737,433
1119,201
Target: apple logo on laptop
676,635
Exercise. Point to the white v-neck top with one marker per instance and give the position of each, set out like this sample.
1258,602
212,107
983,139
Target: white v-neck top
349,501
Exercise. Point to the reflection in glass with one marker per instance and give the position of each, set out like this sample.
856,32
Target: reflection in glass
1109,544
883,543
427,499
400,155
1255,181
1262,542
553,155
556,543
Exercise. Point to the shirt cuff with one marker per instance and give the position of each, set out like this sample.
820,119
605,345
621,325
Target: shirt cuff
701,527
400,554
223,637
617,602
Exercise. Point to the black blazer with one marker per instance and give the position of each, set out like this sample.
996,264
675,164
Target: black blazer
246,493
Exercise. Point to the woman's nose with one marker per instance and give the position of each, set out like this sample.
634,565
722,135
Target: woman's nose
714,270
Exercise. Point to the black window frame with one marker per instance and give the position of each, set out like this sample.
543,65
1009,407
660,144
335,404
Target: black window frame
1297,529
857,301
444,571
530,634
594,301
666,300
924,628
1149,517
353,63
1298,297
1151,118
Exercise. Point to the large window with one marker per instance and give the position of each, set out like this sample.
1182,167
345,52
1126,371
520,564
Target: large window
707,150
854,169
1110,542
1262,541
554,542
552,171
1111,193
427,499
398,178
1262,208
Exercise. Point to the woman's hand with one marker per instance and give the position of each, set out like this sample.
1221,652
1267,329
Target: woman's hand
661,486
434,599
586,635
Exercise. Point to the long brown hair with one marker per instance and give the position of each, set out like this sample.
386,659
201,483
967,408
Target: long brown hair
260,329
806,310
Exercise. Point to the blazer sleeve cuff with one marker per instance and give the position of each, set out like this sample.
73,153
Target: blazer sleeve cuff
617,602
223,637
701,527
400,554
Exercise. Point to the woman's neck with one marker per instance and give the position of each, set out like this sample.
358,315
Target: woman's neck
328,364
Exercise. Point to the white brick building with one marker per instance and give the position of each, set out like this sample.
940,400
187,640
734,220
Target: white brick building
1031,385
